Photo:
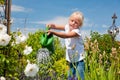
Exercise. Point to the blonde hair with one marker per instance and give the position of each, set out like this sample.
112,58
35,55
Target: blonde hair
79,15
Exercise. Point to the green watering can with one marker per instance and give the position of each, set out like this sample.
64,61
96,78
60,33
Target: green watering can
46,41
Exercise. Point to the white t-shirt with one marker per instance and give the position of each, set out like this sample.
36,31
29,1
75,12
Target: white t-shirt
74,46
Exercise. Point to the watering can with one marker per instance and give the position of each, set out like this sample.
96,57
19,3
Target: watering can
46,41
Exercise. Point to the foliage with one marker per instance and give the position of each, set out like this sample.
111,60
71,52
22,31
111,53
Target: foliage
103,56
14,60
60,69
102,60
2,2
103,40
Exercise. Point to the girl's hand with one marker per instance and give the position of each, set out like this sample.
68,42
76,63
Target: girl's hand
51,26
48,32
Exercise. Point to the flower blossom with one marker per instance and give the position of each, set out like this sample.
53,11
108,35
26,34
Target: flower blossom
2,78
20,38
3,29
4,39
27,50
31,69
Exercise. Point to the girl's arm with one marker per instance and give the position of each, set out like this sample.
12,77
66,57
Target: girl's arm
63,34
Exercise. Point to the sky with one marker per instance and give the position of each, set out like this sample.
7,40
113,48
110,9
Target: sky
32,15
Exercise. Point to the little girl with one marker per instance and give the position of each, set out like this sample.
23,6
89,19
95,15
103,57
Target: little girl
74,44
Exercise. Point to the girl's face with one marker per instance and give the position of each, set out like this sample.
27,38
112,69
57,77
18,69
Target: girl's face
74,22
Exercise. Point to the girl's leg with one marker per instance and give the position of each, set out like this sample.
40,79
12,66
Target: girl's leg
80,69
71,71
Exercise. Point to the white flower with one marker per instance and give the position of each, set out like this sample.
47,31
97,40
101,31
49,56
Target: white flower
2,78
4,39
20,38
27,50
3,29
31,69
23,38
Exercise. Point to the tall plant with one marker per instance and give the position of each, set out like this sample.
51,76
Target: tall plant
102,61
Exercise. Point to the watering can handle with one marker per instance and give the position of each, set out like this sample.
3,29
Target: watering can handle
47,28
